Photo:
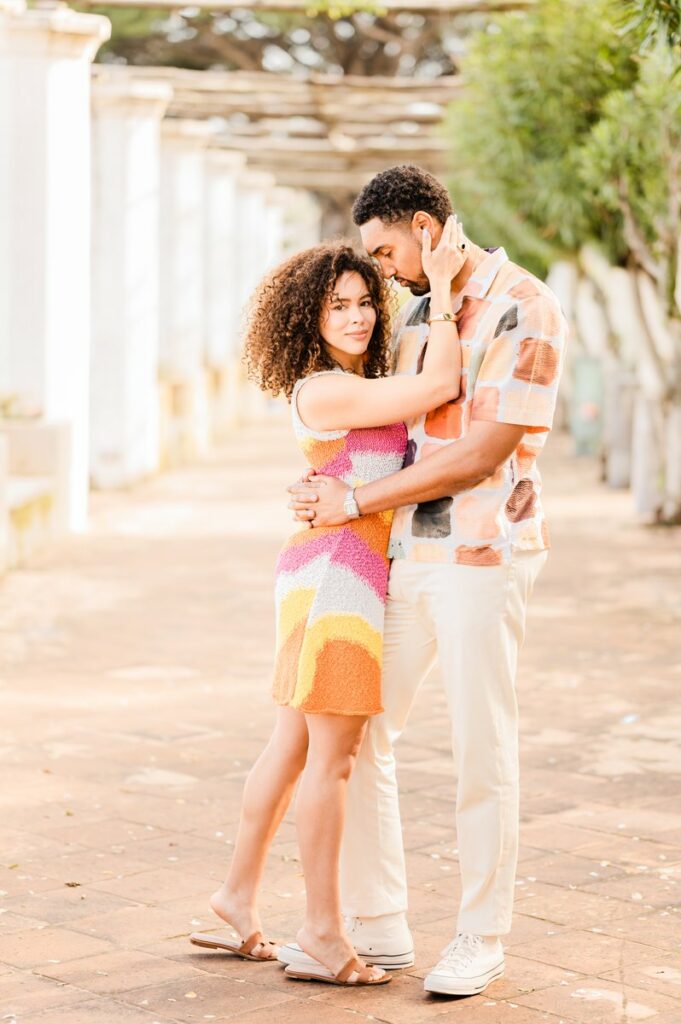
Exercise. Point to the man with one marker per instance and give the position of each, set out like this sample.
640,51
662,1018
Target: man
468,541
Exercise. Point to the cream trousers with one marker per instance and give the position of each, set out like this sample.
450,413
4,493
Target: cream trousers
472,620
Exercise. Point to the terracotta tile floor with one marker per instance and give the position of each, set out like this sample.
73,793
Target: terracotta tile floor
134,668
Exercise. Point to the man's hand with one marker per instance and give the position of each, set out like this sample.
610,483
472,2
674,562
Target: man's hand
318,500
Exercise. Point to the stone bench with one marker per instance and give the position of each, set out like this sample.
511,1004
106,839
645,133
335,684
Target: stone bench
34,486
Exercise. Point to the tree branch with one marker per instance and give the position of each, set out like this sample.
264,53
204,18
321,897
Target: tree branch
634,237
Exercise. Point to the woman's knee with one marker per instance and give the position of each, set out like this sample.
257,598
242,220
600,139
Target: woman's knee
335,746
289,743
325,766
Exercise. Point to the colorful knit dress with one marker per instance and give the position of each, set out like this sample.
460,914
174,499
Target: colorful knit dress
332,581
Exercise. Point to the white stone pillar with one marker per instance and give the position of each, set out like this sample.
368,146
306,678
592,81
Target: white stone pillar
222,259
256,189
45,57
302,219
125,440
185,418
274,220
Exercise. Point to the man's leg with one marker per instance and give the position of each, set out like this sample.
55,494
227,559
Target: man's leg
373,882
480,622
480,626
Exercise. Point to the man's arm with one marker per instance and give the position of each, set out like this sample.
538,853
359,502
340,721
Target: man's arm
456,467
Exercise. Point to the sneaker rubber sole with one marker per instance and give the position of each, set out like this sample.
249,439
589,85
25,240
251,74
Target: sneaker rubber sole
442,985
292,954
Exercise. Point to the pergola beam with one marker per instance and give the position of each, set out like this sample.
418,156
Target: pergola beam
331,99
312,127
299,149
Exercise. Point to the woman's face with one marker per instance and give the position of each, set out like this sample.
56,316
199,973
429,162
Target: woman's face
348,320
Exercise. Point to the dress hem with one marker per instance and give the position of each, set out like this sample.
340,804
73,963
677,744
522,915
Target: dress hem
330,711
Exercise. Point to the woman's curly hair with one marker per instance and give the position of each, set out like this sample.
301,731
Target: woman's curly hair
283,342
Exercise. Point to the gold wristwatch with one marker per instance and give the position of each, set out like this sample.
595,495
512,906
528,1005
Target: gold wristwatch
447,317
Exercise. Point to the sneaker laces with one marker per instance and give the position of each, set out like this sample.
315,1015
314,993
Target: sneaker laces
463,950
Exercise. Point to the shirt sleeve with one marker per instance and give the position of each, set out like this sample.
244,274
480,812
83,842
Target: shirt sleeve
520,371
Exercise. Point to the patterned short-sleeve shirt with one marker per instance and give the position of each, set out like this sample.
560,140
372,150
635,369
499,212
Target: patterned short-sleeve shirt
513,337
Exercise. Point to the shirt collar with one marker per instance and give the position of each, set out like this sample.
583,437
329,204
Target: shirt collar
480,281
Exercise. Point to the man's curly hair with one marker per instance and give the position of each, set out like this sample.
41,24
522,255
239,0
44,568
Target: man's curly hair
398,193
283,342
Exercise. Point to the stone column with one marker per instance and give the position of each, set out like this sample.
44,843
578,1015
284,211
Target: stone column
125,441
45,57
222,255
185,420
256,188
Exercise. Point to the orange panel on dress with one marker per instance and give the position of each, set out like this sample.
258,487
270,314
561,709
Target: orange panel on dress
327,450
286,668
370,530
357,664
537,362
477,556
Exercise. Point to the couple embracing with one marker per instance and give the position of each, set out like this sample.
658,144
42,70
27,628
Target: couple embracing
425,535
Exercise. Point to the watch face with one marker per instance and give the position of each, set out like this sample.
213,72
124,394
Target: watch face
350,506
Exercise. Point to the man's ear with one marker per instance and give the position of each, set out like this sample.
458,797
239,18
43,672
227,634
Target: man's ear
422,220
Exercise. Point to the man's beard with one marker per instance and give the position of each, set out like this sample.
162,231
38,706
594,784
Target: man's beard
418,288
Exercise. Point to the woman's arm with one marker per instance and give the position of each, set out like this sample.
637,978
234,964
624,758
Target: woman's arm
455,467
347,401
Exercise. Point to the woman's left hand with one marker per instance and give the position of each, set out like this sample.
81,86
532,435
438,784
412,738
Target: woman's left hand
442,264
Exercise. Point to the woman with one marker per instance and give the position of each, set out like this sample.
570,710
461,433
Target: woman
318,332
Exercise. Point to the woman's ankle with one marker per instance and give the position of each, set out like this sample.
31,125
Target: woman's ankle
240,897
324,929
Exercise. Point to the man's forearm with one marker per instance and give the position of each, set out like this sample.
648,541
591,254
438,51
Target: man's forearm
457,467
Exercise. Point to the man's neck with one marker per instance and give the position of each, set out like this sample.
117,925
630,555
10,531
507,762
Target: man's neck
475,258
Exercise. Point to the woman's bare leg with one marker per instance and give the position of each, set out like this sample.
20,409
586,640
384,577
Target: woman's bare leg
320,816
266,798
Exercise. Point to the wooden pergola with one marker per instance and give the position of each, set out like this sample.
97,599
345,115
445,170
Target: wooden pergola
324,133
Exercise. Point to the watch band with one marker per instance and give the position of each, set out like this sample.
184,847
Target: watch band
446,317
350,506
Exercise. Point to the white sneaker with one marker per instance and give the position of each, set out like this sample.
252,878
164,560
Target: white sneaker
380,941
467,967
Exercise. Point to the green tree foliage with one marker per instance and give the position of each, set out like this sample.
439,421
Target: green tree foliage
655,18
630,165
536,83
